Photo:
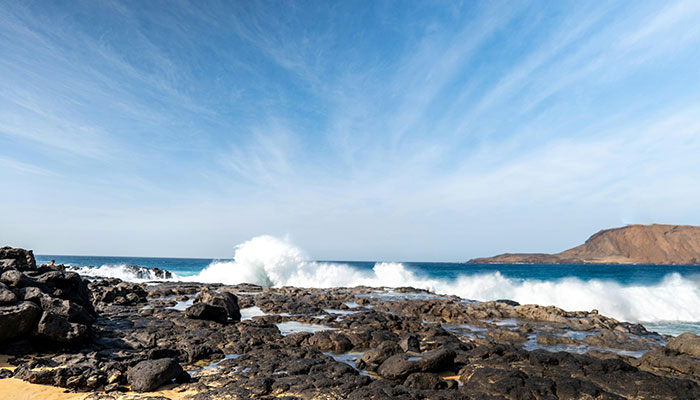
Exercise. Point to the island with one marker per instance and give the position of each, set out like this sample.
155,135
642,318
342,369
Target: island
632,244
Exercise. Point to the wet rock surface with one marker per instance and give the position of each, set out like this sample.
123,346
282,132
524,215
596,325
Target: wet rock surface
341,343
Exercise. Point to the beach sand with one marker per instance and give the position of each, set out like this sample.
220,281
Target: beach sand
16,389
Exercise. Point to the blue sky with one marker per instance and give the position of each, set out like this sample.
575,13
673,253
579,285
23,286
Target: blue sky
357,129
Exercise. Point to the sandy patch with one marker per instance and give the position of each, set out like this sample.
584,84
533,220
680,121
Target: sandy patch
16,389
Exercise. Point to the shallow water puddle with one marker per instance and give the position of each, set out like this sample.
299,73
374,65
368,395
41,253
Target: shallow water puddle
293,326
347,358
465,330
182,305
250,312
214,365
507,322
532,344
339,312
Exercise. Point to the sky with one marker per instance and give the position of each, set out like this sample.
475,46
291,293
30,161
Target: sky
357,130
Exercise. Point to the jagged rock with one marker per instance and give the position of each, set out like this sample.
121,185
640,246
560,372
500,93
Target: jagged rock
148,375
148,273
17,320
16,258
57,328
226,300
71,311
114,291
207,312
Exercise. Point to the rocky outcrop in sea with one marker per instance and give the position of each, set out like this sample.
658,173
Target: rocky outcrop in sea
210,341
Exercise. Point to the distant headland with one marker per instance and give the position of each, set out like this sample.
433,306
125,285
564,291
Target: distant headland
632,244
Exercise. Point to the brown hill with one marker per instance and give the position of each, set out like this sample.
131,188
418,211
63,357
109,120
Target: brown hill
632,244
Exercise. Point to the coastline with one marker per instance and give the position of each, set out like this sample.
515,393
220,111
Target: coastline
87,337
427,333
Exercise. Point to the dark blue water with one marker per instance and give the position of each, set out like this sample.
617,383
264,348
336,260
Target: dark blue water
622,274
180,266
664,298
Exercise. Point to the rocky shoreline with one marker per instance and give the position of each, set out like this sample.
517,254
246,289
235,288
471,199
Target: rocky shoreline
110,339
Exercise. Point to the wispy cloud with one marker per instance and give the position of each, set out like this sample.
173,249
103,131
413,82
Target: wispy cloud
424,122
23,167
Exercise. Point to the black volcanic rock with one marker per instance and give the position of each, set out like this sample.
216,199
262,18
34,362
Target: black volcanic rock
207,312
7,296
148,375
18,320
57,328
226,300
51,304
19,259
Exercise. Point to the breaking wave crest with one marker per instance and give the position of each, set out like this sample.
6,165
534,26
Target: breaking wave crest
125,272
268,261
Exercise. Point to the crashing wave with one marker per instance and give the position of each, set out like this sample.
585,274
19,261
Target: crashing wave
268,261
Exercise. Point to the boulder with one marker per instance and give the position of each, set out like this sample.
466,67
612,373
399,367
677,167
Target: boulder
227,300
148,375
17,320
31,293
425,381
686,343
12,277
73,312
399,366
56,328
332,341
207,312
19,259
437,360
373,358
7,296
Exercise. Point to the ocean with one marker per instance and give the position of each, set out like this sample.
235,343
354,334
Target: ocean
663,298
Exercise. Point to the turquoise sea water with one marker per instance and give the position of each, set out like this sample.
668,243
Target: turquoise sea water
663,298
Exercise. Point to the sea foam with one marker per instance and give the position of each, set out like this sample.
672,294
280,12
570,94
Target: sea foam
272,262
269,261
123,272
